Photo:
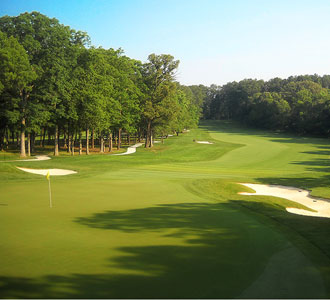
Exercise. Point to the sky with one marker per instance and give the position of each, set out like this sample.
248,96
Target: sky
216,41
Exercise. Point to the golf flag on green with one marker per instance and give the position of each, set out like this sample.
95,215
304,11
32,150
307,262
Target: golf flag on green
48,175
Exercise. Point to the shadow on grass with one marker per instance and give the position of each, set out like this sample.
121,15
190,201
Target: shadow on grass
188,218
319,160
316,165
298,182
224,251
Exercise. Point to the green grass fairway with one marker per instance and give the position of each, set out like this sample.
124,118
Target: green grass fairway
168,222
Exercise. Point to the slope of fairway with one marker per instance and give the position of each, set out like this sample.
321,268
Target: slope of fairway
262,154
167,222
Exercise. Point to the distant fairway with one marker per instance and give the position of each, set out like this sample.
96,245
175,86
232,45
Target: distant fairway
167,222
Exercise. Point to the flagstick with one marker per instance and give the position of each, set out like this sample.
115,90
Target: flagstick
50,194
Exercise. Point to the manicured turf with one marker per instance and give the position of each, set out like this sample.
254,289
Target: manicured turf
168,222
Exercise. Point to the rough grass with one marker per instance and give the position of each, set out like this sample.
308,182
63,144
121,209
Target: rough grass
167,222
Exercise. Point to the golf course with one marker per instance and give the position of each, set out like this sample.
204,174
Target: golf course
168,221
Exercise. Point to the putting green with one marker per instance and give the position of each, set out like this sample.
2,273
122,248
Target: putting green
168,222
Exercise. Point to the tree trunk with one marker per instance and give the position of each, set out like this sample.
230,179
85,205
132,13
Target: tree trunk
87,141
128,139
151,139
148,143
33,141
139,135
18,141
2,141
72,144
48,131
80,144
7,139
69,143
93,145
56,153
41,135
29,144
65,145
101,144
23,138
119,139
110,142
43,138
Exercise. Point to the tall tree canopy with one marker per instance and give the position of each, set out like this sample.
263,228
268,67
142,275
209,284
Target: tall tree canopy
298,103
53,81
159,103
16,77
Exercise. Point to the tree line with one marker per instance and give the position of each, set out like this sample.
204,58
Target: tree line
299,104
52,81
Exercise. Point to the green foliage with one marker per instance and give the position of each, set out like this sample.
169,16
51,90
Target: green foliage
16,76
299,104
78,87
158,75
269,110
159,102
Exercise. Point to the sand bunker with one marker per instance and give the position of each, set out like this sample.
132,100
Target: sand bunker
131,149
204,142
322,206
52,172
37,158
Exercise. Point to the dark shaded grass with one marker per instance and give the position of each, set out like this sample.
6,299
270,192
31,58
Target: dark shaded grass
225,250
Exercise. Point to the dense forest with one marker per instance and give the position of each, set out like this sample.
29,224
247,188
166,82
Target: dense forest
54,83
299,104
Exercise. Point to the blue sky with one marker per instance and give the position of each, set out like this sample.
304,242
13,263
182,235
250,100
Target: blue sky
216,41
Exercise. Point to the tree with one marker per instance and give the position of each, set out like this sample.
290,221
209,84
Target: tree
92,89
187,111
123,106
159,102
269,110
201,99
16,76
51,50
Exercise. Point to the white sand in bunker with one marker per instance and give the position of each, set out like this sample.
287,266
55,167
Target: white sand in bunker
37,158
130,150
204,142
321,206
52,172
